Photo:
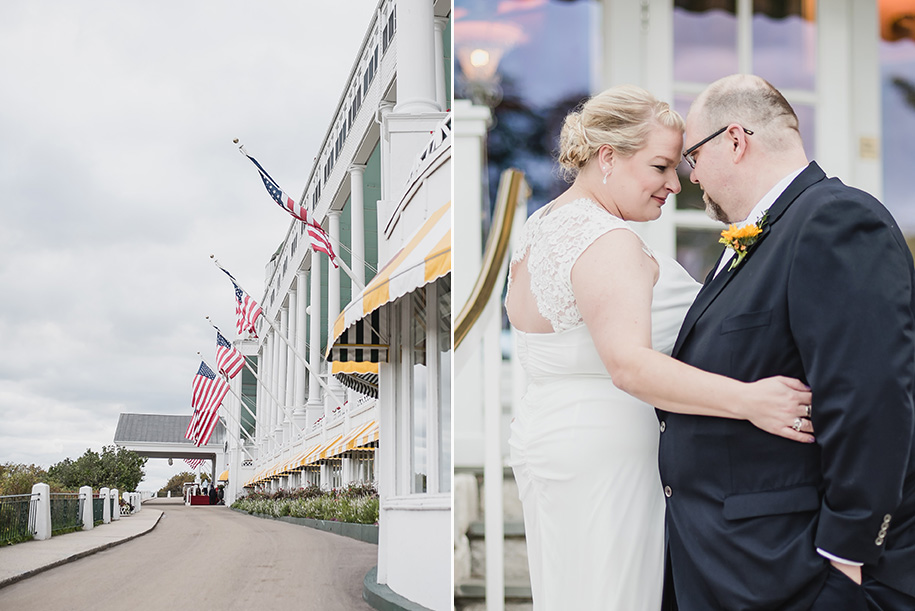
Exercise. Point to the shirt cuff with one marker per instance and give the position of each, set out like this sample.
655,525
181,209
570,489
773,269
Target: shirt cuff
829,556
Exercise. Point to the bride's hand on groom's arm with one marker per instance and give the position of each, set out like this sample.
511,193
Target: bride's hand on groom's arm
776,405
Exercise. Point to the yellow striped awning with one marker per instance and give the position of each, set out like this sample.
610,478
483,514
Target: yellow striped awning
224,476
425,257
322,453
310,455
346,442
369,435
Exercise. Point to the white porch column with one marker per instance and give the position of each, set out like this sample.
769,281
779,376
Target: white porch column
415,58
301,330
315,406
291,363
384,109
333,273
267,378
470,126
277,369
282,371
42,509
440,24
85,493
357,223
333,299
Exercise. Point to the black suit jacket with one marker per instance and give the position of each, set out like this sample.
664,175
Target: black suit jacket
825,295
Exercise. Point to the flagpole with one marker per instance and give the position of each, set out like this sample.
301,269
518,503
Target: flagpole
285,408
301,358
237,422
272,396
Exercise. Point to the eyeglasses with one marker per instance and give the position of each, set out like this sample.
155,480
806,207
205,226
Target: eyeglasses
688,155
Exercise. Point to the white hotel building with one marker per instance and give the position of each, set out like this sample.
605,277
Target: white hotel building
373,403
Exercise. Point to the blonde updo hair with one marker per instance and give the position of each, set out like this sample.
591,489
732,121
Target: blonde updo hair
621,117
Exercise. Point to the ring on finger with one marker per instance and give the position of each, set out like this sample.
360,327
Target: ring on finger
797,424
807,410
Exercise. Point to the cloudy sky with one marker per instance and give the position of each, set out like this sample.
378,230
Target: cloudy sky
118,179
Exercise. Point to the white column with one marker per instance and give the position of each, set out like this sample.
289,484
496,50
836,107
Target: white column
42,511
267,378
275,369
357,223
315,406
106,505
384,109
470,126
440,24
116,495
415,58
291,364
281,373
333,273
85,493
301,330
333,301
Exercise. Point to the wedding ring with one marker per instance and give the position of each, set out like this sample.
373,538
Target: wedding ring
797,424
807,410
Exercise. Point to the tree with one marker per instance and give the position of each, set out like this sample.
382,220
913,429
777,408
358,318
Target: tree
115,467
17,478
176,484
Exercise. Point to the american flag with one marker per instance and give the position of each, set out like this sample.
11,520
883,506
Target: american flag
209,390
320,241
286,203
228,360
246,309
193,462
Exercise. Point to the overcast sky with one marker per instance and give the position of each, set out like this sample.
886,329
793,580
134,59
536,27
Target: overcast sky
118,179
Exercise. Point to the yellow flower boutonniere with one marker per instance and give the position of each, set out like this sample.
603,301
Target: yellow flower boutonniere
739,239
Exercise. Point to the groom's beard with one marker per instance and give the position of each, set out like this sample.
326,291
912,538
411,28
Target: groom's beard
713,209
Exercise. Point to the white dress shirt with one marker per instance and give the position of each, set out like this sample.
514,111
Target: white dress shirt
762,206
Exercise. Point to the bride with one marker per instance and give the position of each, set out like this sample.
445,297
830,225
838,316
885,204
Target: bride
596,313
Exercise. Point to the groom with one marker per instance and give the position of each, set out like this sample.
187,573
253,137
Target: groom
820,286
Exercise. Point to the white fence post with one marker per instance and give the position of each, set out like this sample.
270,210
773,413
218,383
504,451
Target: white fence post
106,505
42,511
85,493
116,511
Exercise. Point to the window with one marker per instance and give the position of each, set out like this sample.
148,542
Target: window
715,38
897,87
423,374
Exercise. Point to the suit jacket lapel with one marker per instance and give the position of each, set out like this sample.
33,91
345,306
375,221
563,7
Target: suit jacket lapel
712,288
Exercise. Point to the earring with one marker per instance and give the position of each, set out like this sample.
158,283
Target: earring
606,174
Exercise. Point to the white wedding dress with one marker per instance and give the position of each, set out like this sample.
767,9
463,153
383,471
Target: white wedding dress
584,453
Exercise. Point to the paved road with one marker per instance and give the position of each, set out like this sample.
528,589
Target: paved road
207,558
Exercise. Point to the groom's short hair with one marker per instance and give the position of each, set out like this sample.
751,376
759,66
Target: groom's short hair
752,102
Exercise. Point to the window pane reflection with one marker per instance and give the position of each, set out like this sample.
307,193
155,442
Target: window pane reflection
897,85
784,42
698,250
420,376
705,40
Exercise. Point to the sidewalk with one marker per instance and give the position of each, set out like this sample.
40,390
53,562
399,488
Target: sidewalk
26,559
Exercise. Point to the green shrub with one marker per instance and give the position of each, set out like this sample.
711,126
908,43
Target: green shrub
356,503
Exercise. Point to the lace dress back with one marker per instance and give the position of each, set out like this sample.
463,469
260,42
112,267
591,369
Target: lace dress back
552,241
584,453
